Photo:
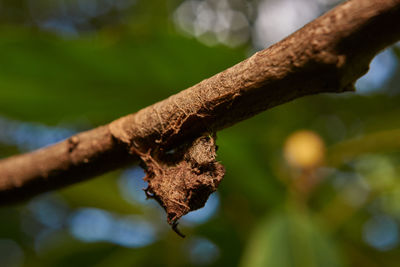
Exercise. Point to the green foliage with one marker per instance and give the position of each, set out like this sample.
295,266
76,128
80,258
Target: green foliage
54,79
290,238
269,213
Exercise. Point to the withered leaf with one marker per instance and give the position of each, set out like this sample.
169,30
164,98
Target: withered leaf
184,183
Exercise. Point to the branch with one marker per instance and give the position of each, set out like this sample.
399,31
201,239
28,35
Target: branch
327,55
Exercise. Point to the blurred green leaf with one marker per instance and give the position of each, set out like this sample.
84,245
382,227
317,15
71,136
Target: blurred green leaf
124,65
376,142
102,192
48,79
290,239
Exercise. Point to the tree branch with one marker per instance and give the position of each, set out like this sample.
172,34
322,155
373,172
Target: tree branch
327,55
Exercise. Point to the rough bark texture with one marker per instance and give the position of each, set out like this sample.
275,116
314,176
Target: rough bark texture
81,156
183,180
327,55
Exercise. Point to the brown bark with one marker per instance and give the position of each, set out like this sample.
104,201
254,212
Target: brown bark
327,55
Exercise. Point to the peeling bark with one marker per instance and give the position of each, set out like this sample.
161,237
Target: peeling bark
183,180
327,55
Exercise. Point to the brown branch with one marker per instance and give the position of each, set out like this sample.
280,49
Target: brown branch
327,55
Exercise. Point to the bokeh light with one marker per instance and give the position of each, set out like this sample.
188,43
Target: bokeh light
50,210
204,214
382,68
201,251
352,187
133,232
28,136
304,149
96,225
379,171
97,60
290,15
213,22
131,185
381,232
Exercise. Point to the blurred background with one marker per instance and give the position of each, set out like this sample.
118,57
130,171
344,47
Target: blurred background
314,182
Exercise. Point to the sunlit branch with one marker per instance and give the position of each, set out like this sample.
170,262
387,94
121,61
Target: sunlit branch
327,55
